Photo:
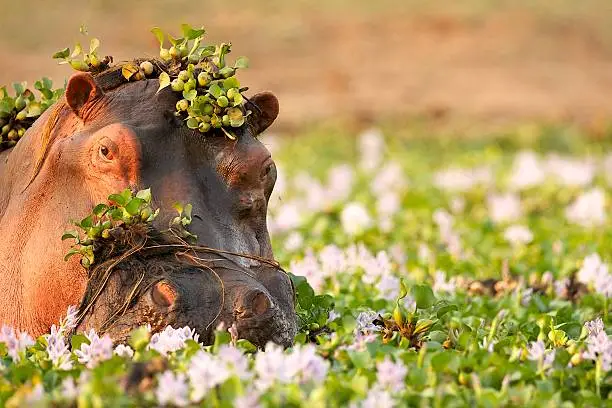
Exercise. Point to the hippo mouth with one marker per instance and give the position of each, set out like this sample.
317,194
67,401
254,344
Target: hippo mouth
162,282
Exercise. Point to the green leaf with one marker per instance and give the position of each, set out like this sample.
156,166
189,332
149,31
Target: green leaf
190,33
192,123
423,295
190,95
117,199
241,62
86,222
164,81
145,195
79,65
215,90
231,82
178,207
100,209
73,251
70,235
133,207
19,87
94,44
61,54
159,34
77,340
77,50
128,70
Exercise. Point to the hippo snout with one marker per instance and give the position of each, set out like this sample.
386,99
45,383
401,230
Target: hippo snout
170,291
259,319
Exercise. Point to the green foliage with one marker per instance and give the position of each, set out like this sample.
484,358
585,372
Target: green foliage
83,61
19,111
211,93
125,208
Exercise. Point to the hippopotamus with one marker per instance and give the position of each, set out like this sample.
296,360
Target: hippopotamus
107,134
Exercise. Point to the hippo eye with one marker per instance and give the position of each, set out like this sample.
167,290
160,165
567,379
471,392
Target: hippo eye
105,153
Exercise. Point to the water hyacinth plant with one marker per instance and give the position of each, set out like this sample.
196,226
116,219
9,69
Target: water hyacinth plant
473,285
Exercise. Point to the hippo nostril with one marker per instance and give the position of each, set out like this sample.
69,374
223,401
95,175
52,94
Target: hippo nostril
163,294
255,303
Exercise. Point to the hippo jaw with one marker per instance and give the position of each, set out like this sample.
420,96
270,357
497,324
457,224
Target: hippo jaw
168,291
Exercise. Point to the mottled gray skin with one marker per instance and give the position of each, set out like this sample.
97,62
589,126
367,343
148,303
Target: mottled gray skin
103,137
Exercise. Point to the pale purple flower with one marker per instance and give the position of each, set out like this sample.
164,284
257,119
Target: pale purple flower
294,241
442,285
526,296
571,172
35,396
594,327
310,268
526,171
423,253
596,274
458,179
69,389
389,287
360,341
68,323
205,372
235,361
365,323
15,343
333,315
391,375
488,345
332,260
124,351
309,366
518,235
98,349
340,184
504,207
536,350
355,219
233,331
599,346
172,389
170,339
561,286
376,398
603,284
250,399
389,179
57,349
589,209
387,205
457,205
592,266
271,367
287,217
371,148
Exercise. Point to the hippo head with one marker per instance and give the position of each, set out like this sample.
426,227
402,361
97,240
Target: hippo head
147,278
108,135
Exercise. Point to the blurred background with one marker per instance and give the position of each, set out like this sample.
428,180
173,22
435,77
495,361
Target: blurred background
357,61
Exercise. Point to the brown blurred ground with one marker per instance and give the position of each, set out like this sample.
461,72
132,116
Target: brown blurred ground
539,59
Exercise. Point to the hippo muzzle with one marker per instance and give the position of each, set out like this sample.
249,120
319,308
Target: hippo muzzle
182,287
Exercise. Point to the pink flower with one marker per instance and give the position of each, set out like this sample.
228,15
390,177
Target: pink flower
391,375
98,349
172,389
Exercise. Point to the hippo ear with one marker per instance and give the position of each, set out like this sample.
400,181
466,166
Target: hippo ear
81,91
265,112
